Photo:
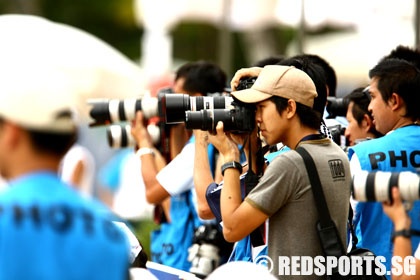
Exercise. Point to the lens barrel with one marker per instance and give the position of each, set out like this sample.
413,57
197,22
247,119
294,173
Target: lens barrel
377,186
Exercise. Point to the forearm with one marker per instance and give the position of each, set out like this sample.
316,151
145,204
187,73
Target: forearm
155,193
230,200
202,178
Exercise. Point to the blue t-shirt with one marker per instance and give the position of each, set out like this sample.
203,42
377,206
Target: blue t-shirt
48,231
110,174
395,152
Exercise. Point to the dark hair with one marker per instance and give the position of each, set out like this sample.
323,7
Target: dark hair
327,69
52,143
314,71
203,77
406,53
308,116
270,60
361,98
400,77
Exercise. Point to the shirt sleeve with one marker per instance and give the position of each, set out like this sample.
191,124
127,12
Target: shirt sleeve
177,176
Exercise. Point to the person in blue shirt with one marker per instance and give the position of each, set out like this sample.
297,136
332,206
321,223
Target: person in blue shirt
47,229
394,89
174,181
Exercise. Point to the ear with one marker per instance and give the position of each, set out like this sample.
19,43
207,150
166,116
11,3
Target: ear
291,108
366,123
396,102
11,133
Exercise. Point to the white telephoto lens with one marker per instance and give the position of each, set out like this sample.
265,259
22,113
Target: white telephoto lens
359,185
154,132
408,184
381,186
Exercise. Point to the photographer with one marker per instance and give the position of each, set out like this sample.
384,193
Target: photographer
395,99
360,121
284,97
171,242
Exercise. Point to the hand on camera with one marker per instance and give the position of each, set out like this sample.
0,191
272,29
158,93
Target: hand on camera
244,72
140,133
224,144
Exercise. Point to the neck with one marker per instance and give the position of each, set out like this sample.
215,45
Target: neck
33,164
403,122
294,140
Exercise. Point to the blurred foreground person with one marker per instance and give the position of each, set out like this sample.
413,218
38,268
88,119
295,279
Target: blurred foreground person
47,229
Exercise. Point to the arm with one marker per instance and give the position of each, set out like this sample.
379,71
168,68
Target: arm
151,163
77,175
402,245
239,218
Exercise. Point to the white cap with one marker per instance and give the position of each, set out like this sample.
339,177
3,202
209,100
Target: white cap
36,97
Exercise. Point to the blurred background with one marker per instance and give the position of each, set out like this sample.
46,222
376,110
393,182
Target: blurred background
160,34
156,36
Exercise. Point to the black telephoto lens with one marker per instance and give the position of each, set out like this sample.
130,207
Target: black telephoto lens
100,113
176,105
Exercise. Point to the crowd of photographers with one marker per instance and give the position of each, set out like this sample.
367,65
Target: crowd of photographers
230,183
222,168
259,220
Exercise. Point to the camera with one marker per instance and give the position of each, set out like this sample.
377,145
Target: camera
177,104
246,82
107,111
376,186
205,112
119,135
204,252
240,118
116,113
336,107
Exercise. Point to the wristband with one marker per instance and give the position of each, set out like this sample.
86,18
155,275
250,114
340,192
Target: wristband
145,151
404,233
232,164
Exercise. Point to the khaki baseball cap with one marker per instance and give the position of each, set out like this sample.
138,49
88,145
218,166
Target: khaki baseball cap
279,80
37,98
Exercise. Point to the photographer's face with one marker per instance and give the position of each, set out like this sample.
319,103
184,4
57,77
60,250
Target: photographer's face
354,130
270,122
381,110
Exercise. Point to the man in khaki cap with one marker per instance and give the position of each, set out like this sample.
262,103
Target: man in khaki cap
284,98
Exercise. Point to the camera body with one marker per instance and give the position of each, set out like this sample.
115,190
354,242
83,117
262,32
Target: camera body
376,186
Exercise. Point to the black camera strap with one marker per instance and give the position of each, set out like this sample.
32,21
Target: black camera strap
327,230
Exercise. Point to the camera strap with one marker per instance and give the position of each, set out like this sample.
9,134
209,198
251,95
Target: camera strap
251,180
327,230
